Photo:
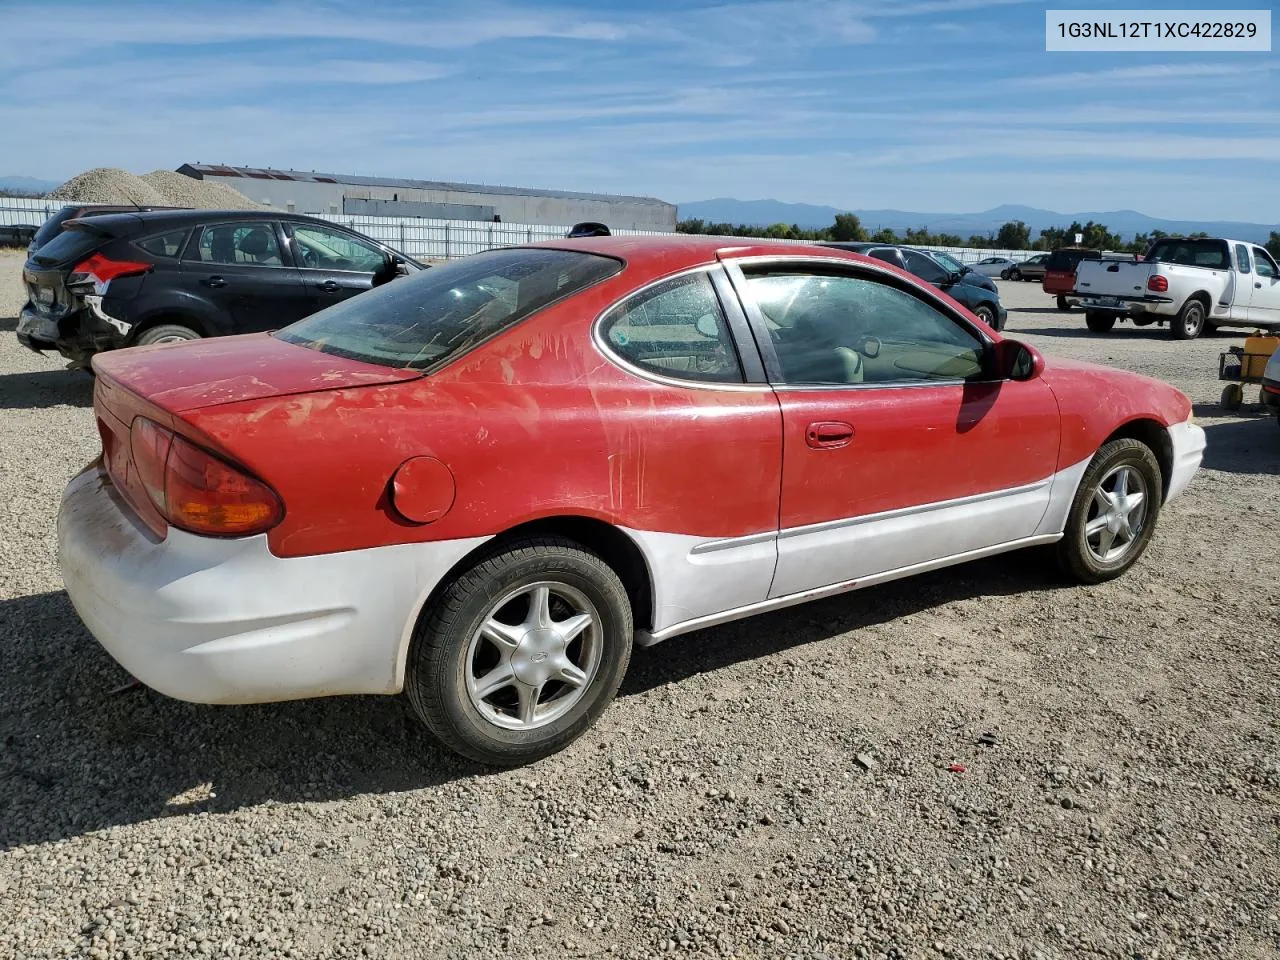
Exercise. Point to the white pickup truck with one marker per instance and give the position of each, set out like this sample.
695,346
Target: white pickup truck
1189,284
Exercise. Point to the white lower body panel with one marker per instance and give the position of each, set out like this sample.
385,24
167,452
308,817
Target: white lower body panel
1188,452
225,621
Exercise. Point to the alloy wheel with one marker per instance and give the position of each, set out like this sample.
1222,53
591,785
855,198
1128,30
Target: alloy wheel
1117,514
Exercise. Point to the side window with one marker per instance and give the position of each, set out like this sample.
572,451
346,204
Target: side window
676,329
850,330
164,244
924,267
248,243
325,249
1242,257
1266,266
888,256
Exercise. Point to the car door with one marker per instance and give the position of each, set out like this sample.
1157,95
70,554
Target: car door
899,447
1264,304
334,264
238,268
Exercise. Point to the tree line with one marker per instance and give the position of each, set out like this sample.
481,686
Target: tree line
1013,235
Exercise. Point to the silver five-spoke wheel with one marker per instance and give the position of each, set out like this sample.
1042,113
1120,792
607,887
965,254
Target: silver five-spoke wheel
534,655
1117,514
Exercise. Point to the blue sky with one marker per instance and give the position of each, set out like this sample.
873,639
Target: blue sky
932,105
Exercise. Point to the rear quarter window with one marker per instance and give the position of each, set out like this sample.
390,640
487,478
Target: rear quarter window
164,244
425,320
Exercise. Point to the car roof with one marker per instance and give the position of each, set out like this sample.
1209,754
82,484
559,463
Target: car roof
678,251
187,218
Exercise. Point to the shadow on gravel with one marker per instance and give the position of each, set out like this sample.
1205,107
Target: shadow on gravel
8,324
45,388
1248,441
77,757
1122,331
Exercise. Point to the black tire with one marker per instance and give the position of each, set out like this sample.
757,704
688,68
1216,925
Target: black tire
1190,321
986,314
1063,304
1099,321
1016,275
1076,558
165,333
1006,274
1233,395
440,655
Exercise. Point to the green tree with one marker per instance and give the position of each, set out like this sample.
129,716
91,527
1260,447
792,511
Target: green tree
1273,244
884,235
691,225
847,227
1014,235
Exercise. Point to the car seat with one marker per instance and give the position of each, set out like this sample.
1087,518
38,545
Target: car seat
222,247
256,244
813,353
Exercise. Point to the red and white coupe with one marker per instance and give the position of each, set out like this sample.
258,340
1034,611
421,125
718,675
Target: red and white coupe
481,485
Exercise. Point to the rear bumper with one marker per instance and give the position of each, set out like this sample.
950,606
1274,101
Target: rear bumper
1133,306
77,335
1188,451
36,331
225,621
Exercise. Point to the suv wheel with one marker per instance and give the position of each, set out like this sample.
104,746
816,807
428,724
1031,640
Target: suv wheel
518,656
165,333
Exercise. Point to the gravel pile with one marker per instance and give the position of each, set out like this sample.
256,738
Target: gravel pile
158,188
971,764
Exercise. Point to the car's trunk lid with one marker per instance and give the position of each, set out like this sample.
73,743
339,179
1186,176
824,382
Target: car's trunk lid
204,373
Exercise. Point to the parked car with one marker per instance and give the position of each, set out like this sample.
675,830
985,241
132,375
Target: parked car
1190,284
121,280
588,228
994,267
74,211
1060,273
1271,385
17,235
1029,269
482,484
972,289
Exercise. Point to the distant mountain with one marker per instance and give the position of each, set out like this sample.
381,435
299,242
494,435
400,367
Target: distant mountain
27,184
1124,222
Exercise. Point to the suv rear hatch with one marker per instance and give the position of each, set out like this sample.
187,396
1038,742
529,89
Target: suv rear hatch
47,272
1060,270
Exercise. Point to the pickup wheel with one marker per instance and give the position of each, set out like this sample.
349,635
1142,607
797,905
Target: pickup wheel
1113,514
1189,323
1063,304
1099,321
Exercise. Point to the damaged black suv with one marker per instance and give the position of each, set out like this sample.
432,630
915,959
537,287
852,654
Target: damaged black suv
130,279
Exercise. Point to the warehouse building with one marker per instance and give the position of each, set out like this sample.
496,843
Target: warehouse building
333,193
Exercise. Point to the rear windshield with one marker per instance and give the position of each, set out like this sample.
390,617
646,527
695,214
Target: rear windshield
68,245
53,226
423,320
1068,259
1191,253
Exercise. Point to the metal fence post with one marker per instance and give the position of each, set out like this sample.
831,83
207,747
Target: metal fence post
530,235
491,236
447,251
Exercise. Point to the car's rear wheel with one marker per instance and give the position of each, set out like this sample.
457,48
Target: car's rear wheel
519,655
1063,304
166,333
1099,321
1015,275
1189,323
1114,513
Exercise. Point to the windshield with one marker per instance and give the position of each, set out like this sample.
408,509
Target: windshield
423,320
1191,253
948,262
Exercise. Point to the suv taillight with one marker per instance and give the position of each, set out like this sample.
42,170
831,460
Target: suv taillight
100,271
196,491
1158,284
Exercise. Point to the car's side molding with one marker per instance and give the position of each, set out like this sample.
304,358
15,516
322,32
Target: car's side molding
646,638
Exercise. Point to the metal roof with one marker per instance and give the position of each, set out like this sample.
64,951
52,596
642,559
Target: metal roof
201,170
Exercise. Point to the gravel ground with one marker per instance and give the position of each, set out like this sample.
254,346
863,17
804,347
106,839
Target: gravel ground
777,787
158,188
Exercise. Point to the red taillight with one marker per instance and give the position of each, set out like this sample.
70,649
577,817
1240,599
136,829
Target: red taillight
1157,283
197,491
100,271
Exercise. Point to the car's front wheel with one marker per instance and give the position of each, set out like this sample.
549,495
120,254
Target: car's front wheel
1114,513
987,315
519,655
1015,275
